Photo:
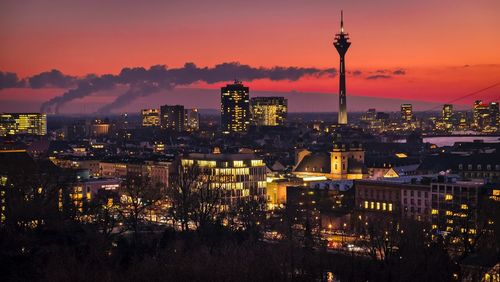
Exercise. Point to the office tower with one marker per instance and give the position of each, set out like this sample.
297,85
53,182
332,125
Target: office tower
447,112
172,117
494,114
342,43
23,123
150,117
269,111
480,114
191,119
235,108
406,112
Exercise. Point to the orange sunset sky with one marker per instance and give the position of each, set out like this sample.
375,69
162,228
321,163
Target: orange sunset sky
446,48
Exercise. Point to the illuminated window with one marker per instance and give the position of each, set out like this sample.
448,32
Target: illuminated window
472,231
434,226
384,206
366,204
464,207
257,162
449,213
378,205
448,197
390,207
372,205
434,211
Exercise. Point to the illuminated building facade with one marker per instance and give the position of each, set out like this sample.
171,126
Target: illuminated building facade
86,190
454,206
235,108
406,112
239,176
345,161
304,203
172,117
375,121
158,147
191,119
99,128
150,117
156,172
23,123
276,191
485,116
92,165
377,196
447,112
341,43
269,111
494,114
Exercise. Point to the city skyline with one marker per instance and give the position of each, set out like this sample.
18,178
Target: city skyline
406,72
189,140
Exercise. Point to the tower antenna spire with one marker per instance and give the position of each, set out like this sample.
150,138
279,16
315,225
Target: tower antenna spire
341,21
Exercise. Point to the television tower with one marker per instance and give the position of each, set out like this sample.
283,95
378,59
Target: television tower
341,43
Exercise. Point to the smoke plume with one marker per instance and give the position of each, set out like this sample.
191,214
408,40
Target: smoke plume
144,82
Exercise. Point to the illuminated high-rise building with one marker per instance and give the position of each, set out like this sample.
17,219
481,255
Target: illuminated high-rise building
406,112
172,117
150,117
23,123
447,112
480,114
191,119
269,111
494,114
342,43
235,108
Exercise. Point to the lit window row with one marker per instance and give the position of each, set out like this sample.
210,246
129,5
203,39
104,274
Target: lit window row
378,206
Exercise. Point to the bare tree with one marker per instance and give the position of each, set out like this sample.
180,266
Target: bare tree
181,194
104,212
37,195
195,197
207,202
381,237
138,196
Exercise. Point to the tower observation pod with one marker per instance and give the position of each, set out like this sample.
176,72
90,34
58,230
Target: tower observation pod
341,43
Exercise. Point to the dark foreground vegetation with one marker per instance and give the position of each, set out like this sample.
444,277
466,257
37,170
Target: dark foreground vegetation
71,251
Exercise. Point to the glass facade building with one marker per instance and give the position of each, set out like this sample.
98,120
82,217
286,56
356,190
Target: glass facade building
269,111
235,108
23,123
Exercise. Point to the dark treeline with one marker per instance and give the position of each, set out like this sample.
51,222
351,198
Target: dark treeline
43,240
